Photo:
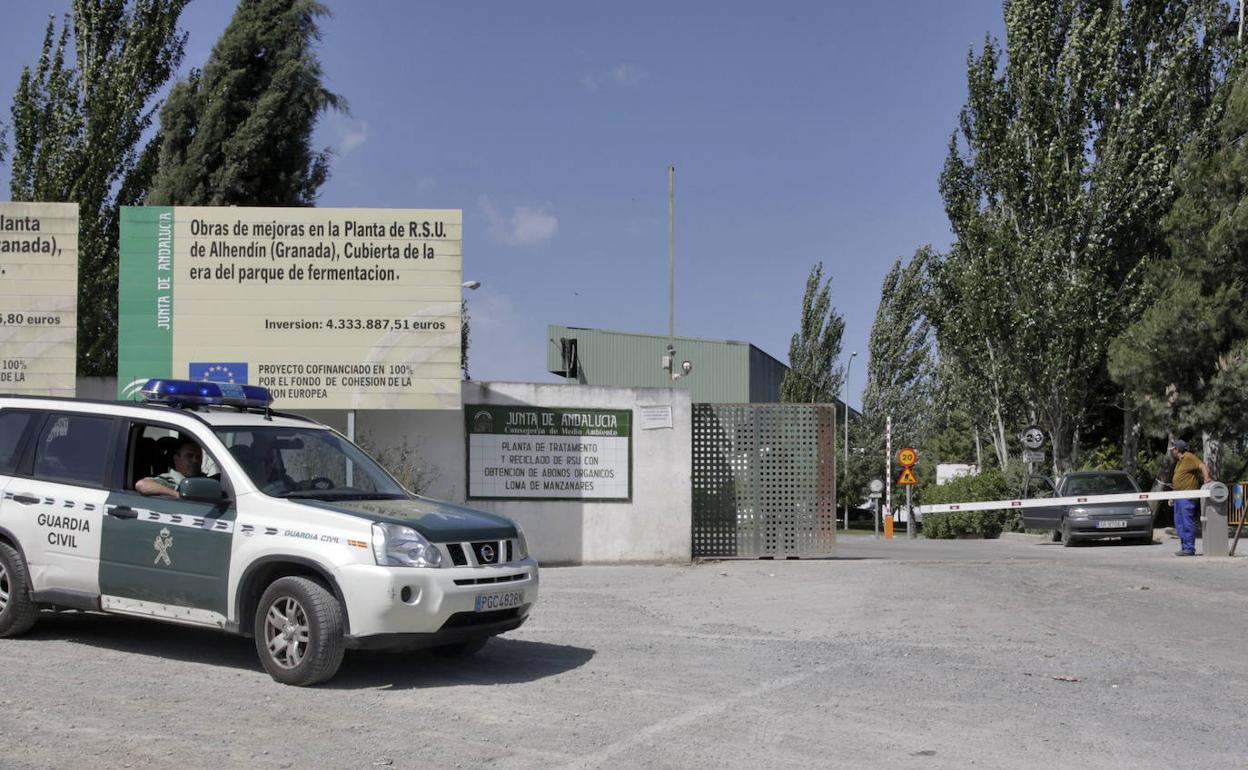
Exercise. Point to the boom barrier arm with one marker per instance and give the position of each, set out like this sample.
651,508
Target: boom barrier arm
1129,497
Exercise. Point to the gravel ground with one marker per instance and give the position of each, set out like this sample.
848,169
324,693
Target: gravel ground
901,655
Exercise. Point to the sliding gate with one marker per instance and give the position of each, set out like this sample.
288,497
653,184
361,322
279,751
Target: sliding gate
764,480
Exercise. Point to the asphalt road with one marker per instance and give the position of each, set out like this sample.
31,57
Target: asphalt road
920,654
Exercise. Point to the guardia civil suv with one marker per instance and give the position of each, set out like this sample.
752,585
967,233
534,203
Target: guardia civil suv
202,506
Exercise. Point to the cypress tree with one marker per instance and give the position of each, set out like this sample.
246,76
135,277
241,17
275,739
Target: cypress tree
239,131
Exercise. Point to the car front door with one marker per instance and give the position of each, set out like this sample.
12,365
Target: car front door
1045,516
160,556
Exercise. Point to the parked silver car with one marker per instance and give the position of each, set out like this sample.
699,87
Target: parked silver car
1132,521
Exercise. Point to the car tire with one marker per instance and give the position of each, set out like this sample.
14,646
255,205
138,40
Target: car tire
1055,536
1067,540
299,632
1144,539
17,612
460,649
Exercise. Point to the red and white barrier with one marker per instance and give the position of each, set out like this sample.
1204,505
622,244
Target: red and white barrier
1127,497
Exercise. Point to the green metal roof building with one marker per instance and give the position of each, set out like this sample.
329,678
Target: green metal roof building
724,371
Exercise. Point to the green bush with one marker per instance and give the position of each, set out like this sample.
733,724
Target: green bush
989,485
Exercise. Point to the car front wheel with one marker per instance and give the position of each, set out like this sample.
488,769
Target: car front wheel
299,633
1067,540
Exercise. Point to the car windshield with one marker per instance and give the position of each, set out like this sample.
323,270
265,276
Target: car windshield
1099,484
308,463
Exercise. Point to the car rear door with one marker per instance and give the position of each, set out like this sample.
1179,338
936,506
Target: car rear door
54,503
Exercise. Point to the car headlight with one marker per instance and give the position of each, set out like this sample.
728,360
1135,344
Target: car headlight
1078,511
1142,510
522,545
397,546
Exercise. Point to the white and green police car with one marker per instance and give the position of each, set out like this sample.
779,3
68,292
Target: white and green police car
292,535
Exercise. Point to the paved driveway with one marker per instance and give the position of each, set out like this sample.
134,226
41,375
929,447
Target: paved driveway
910,654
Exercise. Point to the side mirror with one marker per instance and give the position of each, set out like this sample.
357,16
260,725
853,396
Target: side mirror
202,490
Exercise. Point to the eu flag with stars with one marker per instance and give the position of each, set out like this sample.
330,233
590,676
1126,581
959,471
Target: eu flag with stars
219,372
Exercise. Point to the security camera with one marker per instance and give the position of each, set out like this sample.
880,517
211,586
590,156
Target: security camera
686,367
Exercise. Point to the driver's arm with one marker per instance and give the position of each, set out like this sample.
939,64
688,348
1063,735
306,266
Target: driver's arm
153,487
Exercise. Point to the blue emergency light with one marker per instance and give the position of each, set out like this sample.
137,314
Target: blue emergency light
192,393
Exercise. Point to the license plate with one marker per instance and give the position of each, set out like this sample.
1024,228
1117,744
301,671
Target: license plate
1111,524
503,601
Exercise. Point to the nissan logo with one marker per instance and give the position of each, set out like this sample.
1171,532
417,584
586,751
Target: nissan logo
487,553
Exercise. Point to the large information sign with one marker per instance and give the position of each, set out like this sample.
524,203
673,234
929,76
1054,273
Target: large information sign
38,298
328,308
549,454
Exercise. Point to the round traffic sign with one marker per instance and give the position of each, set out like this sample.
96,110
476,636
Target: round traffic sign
877,486
1033,437
907,456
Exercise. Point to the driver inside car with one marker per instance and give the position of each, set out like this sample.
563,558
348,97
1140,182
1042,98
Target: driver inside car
188,463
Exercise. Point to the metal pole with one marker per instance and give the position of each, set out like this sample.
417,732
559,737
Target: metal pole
911,532
671,254
845,470
888,465
876,505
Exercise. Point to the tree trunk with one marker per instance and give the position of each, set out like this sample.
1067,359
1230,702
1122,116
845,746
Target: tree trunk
979,453
1130,441
1212,450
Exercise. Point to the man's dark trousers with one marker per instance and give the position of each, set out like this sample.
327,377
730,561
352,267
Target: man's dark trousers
1185,524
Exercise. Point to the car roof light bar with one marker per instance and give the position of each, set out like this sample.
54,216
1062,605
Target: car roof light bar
191,393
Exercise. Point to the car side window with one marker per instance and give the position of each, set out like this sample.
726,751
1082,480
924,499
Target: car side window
12,426
151,453
74,449
1039,487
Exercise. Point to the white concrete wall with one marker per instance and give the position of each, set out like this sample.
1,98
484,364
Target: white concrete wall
654,527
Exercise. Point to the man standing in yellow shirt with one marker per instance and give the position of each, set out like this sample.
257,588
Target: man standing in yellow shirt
1188,472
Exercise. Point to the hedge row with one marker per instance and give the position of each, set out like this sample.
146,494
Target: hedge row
989,485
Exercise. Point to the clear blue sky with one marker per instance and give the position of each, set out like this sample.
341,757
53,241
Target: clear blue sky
800,132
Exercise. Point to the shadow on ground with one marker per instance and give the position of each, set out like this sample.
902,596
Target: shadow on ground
503,661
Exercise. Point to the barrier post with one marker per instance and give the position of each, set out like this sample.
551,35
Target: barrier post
1213,519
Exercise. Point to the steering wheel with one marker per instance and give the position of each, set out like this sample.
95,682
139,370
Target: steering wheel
321,483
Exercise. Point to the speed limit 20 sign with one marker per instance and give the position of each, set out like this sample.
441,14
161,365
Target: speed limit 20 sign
907,456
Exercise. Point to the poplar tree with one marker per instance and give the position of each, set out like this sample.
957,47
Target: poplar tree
1055,184
813,375
900,373
79,120
900,366
239,131
1184,360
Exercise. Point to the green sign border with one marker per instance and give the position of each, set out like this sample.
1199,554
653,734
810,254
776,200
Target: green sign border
144,349
624,418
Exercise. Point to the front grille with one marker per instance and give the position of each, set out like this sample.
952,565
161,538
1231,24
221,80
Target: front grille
488,552
485,580
482,553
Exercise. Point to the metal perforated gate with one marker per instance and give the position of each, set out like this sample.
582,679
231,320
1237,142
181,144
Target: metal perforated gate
764,480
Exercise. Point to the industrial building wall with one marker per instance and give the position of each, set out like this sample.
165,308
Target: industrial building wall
766,375
721,369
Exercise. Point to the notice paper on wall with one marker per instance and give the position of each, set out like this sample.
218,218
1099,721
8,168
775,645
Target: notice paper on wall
654,417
